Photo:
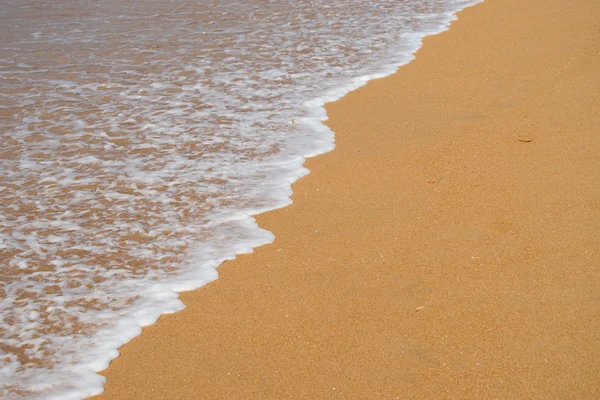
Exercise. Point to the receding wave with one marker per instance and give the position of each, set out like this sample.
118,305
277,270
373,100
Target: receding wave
136,141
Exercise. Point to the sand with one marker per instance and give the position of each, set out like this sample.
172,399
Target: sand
449,246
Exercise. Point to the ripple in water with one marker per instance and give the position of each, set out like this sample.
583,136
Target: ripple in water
136,139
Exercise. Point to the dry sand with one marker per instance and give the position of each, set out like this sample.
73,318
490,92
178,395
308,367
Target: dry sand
448,248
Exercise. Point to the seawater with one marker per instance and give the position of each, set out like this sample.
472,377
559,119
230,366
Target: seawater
137,141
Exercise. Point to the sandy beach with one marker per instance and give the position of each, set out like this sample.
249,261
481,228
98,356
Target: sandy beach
447,248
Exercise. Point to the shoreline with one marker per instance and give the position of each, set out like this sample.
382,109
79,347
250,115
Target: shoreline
348,297
100,352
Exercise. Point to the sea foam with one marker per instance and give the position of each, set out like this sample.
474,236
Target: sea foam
138,139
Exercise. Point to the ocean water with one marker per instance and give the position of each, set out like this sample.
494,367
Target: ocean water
138,138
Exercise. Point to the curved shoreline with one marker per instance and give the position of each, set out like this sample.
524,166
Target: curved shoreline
75,360
465,291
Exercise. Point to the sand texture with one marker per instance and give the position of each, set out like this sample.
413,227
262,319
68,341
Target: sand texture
448,248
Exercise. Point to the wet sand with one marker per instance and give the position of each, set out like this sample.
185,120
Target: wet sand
448,247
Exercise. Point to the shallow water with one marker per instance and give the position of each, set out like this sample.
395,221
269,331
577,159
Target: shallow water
137,138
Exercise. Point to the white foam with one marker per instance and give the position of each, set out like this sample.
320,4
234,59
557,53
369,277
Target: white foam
142,153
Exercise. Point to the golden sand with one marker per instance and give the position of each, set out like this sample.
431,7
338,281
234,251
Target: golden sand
448,248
